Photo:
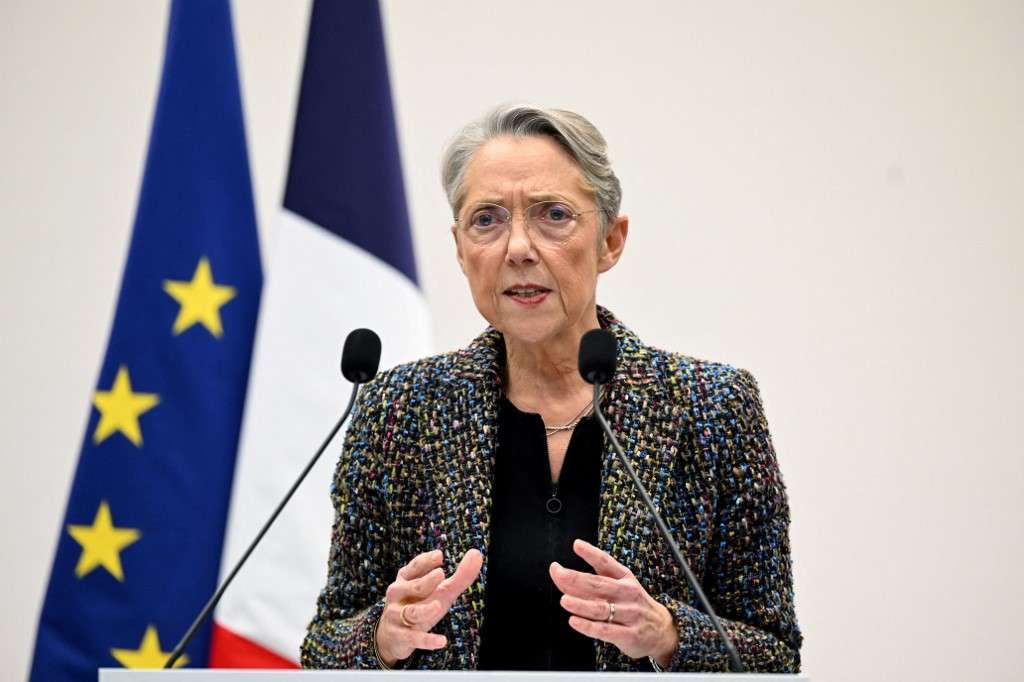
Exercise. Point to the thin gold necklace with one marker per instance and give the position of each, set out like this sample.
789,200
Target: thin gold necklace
571,424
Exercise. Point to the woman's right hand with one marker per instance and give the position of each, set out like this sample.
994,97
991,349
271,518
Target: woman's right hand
423,594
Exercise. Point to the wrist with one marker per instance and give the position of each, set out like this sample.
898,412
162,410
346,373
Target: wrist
669,641
385,661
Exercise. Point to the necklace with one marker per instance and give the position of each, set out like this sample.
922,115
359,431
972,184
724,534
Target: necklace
571,424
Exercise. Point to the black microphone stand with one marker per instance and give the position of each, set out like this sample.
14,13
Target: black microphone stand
734,658
212,603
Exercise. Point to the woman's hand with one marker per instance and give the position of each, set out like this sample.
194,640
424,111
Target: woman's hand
417,600
639,625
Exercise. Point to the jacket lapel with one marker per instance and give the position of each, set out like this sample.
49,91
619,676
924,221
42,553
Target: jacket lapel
458,446
644,419
634,405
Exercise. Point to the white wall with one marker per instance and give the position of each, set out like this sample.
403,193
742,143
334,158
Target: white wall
828,194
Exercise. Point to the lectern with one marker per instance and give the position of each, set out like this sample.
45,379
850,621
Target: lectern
120,675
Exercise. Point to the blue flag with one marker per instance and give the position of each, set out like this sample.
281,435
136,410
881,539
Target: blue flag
140,546
345,175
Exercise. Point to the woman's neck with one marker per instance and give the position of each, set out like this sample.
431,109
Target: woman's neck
545,375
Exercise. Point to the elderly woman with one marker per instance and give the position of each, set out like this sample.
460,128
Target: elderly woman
482,520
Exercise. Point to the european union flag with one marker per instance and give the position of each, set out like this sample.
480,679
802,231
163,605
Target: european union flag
140,547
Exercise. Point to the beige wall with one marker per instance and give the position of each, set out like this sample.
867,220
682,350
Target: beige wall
828,194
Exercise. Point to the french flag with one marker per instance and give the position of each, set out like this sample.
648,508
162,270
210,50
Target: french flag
341,258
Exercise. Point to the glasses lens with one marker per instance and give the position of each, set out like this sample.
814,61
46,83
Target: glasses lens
553,220
486,222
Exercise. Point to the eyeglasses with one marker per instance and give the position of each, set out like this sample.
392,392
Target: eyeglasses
551,222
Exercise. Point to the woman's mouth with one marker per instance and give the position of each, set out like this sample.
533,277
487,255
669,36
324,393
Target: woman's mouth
529,295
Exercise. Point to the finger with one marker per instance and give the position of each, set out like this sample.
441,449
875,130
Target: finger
598,610
405,591
585,585
601,561
421,564
465,573
424,614
417,639
420,588
619,635
401,640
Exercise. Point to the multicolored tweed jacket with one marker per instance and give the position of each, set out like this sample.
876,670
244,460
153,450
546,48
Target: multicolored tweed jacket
416,475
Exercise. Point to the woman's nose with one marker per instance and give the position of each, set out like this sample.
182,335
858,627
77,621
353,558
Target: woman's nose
520,246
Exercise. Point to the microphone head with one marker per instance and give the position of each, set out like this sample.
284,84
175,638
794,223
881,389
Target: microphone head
598,355
361,356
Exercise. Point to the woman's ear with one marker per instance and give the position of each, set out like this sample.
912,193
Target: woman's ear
613,243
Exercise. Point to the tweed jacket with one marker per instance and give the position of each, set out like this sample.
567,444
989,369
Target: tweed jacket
416,475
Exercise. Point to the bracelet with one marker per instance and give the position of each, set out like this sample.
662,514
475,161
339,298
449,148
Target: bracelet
654,664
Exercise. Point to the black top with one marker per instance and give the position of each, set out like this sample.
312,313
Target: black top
534,522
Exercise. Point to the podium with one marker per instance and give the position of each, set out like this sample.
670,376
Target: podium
121,675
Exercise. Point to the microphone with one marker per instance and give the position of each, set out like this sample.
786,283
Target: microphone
360,356
598,356
360,359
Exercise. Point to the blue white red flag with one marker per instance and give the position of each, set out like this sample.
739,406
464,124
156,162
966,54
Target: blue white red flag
140,545
342,258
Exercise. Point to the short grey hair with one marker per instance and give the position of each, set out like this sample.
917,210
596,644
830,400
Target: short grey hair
578,136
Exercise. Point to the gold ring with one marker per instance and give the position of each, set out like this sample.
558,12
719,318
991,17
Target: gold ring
611,612
401,616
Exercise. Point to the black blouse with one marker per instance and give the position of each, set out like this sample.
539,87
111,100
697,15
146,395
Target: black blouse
534,522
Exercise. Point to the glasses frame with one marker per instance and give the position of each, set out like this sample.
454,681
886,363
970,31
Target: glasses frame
573,213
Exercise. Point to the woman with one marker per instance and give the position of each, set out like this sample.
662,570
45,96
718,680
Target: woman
482,521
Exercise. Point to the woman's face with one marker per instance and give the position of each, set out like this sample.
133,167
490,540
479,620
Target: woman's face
531,288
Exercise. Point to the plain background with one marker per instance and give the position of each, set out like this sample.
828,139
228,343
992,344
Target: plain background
828,194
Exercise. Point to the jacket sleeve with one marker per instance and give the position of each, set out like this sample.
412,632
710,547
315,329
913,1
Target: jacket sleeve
748,576
358,573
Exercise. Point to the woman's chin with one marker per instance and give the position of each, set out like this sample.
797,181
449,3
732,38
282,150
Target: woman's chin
533,327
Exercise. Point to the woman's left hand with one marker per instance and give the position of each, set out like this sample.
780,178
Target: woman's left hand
639,626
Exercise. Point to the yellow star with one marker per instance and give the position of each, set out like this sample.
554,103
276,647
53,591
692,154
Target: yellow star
120,409
148,655
200,300
102,543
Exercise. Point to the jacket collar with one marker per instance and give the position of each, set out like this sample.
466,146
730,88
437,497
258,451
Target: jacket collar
482,362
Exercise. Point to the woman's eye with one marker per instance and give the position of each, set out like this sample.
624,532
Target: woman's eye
483,219
557,213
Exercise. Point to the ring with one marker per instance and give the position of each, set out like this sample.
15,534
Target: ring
611,612
401,616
